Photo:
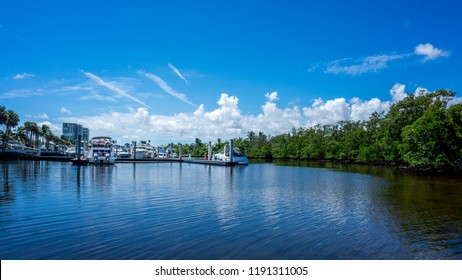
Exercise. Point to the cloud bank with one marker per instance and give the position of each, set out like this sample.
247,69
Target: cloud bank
227,121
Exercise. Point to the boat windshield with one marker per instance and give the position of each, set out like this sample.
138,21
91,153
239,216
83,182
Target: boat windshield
238,152
101,151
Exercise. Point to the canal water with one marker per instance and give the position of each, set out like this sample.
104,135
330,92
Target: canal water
280,210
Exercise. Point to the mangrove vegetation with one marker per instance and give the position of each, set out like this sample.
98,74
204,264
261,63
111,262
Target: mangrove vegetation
420,131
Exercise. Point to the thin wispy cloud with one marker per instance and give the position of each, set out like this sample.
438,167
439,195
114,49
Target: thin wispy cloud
2,27
23,76
177,72
366,65
42,116
165,87
113,88
376,63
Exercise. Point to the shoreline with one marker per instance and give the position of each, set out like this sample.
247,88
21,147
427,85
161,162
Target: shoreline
396,166
9,155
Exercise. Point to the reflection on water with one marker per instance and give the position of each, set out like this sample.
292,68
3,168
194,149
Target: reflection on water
282,210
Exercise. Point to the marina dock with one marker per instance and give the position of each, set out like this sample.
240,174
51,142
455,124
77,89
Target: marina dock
162,160
12,155
178,160
102,153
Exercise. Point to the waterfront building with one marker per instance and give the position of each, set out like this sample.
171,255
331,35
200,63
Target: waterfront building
72,131
85,134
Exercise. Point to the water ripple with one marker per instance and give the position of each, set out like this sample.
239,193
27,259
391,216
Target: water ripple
262,211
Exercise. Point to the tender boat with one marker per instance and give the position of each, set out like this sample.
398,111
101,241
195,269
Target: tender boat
238,156
101,151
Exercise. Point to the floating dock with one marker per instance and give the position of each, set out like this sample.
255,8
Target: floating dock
9,154
79,162
211,162
178,160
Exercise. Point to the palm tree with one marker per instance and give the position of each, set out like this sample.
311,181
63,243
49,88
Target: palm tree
45,129
3,116
198,143
28,128
251,136
3,119
12,120
20,135
38,137
33,130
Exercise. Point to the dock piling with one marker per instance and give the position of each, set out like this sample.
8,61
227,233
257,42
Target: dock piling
231,150
210,151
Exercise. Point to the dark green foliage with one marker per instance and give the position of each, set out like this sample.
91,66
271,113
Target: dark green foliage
430,141
419,131
9,119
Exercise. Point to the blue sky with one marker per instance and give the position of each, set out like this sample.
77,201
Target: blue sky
175,70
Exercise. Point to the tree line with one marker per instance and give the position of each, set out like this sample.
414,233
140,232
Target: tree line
31,134
419,131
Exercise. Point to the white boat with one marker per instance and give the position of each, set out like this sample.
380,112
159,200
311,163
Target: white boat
140,153
101,151
238,156
142,150
122,152
71,151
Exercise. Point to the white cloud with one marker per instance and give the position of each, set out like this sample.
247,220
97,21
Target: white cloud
64,110
42,116
454,101
430,52
362,110
327,112
398,92
272,96
23,76
164,86
111,87
420,91
56,129
177,72
338,109
274,120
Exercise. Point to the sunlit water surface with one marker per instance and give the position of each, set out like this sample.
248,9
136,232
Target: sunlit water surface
52,210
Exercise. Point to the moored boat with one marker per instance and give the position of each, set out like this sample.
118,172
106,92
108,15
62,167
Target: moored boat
238,156
101,151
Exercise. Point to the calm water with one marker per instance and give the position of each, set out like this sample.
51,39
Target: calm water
51,210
